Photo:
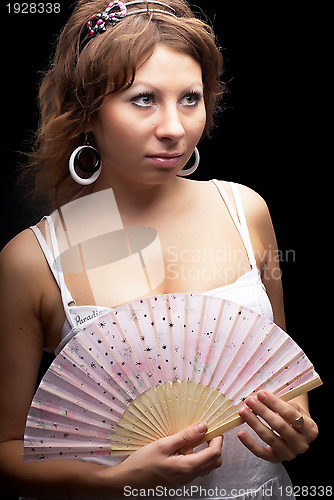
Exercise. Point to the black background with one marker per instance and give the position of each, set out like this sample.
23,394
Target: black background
264,139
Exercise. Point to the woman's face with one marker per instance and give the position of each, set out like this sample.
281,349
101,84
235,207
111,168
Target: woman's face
148,132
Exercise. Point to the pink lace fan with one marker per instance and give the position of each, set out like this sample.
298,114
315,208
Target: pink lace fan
154,366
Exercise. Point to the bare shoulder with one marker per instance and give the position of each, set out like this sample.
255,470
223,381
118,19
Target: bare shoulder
22,253
257,215
256,212
21,268
254,205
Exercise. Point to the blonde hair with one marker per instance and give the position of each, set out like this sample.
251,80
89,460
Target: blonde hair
73,89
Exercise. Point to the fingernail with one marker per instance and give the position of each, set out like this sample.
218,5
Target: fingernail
201,427
244,412
250,402
262,396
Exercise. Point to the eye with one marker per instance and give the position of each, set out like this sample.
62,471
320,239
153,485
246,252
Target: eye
144,100
191,99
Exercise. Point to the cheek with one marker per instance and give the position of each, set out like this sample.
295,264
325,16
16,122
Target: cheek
204,117
115,126
196,125
116,131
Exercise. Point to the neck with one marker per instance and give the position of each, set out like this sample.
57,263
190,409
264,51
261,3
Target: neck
135,198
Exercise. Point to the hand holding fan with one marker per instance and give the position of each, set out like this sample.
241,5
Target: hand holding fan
154,366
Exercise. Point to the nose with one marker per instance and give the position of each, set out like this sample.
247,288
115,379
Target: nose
169,126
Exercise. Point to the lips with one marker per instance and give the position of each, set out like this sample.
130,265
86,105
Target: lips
165,159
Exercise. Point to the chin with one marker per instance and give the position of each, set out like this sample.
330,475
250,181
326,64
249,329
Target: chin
156,177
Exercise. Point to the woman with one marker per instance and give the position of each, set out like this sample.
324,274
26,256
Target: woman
132,90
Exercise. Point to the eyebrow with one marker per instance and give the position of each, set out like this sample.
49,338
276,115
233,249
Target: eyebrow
143,83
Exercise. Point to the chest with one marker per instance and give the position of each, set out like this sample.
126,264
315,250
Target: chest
193,250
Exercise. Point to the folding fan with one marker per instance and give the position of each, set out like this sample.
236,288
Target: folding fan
154,366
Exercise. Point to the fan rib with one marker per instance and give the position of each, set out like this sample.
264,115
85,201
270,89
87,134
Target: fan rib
200,326
133,432
157,401
189,410
199,409
215,333
101,382
129,425
213,404
171,338
60,451
156,336
166,412
302,389
149,404
234,394
250,361
144,377
230,333
279,371
158,407
293,380
82,403
35,423
52,411
142,418
139,419
185,338
238,351
90,377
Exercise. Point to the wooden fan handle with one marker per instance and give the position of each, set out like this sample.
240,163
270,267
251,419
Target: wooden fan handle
219,431
301,389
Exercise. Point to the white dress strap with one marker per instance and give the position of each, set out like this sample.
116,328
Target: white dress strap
65,293
55,264
243,223
46,251
228,204
238,218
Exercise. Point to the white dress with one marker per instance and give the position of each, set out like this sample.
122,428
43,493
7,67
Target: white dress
241,475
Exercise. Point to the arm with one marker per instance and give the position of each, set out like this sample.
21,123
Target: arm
158,463
279,415
22,336
22,341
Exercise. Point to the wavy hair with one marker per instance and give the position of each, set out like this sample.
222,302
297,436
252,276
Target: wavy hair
73,89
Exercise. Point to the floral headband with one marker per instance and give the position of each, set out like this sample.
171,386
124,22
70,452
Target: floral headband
116,11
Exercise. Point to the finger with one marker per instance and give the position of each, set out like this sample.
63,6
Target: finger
275,421
285,441
217,441
210,467
291,413
187,436
288,411
208,454
259,451
275,441
207,459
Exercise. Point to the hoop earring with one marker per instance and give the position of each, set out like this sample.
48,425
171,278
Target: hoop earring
75,160
192,169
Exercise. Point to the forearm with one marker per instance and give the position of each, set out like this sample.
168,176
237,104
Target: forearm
55,479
